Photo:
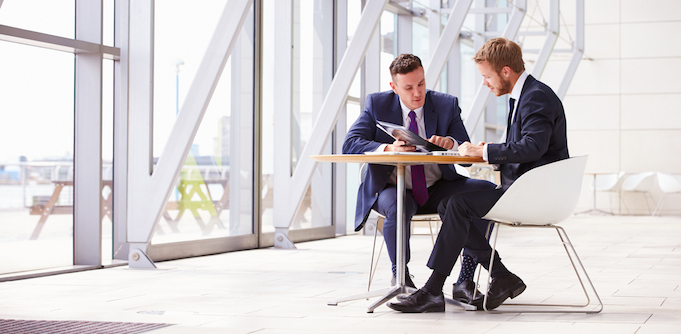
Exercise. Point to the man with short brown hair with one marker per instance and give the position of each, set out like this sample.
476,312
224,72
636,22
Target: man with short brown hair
535,135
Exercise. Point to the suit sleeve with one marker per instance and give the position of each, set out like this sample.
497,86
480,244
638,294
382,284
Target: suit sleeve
537,121
359,138
456,128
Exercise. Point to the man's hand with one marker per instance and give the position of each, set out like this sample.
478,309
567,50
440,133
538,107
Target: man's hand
398,146
468,149
442,142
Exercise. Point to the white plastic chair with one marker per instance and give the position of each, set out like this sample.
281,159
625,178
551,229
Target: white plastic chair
606,183
639,183
430,219
541,198
669,184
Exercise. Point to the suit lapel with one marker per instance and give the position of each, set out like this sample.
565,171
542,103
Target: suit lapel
429,117
395,115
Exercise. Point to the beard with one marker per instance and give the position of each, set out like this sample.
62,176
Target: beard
505,88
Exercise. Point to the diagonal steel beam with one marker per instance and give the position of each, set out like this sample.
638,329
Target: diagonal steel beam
446,42
577,51
326,119
473,116
551,37
148,193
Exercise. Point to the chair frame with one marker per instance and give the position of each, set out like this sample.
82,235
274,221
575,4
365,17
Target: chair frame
576,265
427,217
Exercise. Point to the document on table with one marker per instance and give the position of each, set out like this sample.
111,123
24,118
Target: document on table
399,132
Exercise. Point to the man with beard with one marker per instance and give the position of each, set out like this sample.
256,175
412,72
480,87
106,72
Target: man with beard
535,135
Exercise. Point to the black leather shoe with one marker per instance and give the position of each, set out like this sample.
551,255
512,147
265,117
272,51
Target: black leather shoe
419,302
502,288
464,292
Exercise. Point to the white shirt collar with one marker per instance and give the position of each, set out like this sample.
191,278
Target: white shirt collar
406,110
518,87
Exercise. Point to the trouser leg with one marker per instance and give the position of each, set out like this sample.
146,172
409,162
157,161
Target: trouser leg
387,206
456,233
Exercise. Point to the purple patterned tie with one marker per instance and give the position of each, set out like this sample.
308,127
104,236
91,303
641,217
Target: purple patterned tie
418,175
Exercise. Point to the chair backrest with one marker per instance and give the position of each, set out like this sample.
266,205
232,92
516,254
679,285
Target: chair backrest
638,182
669,183
547,194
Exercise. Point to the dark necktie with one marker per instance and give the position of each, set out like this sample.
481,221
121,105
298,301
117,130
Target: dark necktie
511,103
418,175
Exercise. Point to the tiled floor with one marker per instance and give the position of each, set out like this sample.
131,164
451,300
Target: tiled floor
635,263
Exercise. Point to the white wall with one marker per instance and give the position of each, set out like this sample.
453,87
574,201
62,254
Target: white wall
624,104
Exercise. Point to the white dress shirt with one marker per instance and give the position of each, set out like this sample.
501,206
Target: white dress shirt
432,171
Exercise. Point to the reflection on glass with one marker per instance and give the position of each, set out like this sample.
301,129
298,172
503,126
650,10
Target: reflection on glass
36,160
213,195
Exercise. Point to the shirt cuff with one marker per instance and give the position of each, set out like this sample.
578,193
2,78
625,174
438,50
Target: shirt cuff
484,153
456,144
381,148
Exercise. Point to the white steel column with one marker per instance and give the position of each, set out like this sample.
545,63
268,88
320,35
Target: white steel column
340,170
472,118
324,123
120,167
283,74
87,229
404,32
148,191
140,103
577,50
446,41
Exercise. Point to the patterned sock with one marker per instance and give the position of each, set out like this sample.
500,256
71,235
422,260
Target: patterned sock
394,270
467,269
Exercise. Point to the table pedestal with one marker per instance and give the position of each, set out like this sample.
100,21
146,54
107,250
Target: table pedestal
400,286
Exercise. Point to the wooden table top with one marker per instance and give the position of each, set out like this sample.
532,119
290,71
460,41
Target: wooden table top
395,159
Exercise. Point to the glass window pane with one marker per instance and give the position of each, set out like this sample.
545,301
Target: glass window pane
312,75
54,17
36,173
388,47
214,193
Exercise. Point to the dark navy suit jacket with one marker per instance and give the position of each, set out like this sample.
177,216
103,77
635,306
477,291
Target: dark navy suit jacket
442,117
537,135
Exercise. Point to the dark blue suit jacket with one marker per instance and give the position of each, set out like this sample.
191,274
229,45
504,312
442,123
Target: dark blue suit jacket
537,135
442,117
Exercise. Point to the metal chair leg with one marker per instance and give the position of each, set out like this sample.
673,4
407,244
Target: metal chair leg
576,265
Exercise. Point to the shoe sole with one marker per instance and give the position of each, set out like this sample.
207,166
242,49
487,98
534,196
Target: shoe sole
432,309
514,292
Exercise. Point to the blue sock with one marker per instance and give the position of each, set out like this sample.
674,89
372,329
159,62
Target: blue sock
468,267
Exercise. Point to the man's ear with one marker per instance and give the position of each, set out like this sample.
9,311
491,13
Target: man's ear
393,87
506,71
